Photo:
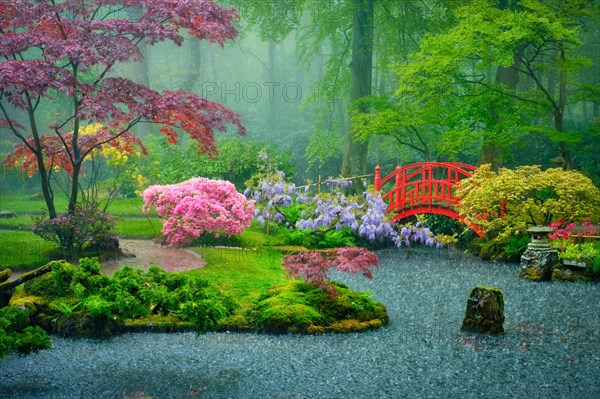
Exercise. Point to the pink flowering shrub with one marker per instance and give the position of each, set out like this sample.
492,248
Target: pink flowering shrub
87,229
313,267
566,231
567,238
199,205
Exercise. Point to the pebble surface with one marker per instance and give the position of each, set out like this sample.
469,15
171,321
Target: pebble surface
551,348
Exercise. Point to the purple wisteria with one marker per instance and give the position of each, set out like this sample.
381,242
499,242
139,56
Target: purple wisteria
272,194
363,214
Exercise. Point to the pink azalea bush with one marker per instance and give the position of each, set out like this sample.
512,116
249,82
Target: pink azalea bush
567,238
566,231
199,205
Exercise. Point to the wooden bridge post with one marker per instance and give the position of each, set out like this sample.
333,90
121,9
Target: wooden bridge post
377,182
400,194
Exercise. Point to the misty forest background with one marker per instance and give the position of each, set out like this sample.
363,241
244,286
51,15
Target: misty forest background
302,72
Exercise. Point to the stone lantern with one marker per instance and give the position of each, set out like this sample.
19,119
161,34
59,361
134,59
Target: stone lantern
539,237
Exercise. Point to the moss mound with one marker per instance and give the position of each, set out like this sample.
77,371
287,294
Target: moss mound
305,308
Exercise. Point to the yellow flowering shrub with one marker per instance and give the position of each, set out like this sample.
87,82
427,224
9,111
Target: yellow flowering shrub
125,165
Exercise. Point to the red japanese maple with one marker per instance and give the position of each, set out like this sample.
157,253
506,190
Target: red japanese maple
67,49
314,266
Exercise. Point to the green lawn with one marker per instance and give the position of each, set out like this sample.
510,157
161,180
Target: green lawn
126,227
21,249
242,273
127,207
24,250
23,203
16,223
139,227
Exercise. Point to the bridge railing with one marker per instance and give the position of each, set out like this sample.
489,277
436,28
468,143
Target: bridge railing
427,183
426,187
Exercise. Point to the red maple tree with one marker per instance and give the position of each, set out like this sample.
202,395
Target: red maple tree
314,266
67,49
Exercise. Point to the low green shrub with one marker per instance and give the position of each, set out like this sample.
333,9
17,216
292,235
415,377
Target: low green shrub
302,238
82,302
515,247
316,239
16,333
593,267
337,238
205,314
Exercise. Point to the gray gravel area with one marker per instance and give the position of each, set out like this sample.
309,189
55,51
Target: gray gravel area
551,348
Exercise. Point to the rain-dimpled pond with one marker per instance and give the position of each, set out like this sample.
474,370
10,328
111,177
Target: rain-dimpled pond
551,348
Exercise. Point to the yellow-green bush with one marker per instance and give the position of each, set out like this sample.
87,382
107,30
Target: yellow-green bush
507,202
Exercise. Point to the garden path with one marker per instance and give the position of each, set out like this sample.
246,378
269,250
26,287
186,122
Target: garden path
146,253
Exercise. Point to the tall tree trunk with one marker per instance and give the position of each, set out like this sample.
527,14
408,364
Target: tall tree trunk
492,150
361,66
272,118
565,153
195,65
76,153
39,156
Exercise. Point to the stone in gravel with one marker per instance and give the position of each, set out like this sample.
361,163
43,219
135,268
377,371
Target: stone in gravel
485,311
7,214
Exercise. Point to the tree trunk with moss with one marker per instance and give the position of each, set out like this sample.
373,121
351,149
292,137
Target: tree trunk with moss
7,288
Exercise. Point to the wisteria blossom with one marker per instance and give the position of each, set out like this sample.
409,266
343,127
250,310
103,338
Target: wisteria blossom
364,214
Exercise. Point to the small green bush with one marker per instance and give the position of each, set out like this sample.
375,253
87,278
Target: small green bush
317,239
205,313
337,238
515,247
16,334
593,268
303,238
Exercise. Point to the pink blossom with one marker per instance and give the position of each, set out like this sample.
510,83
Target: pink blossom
199,205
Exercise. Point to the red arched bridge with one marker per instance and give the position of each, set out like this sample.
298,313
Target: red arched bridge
425,188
